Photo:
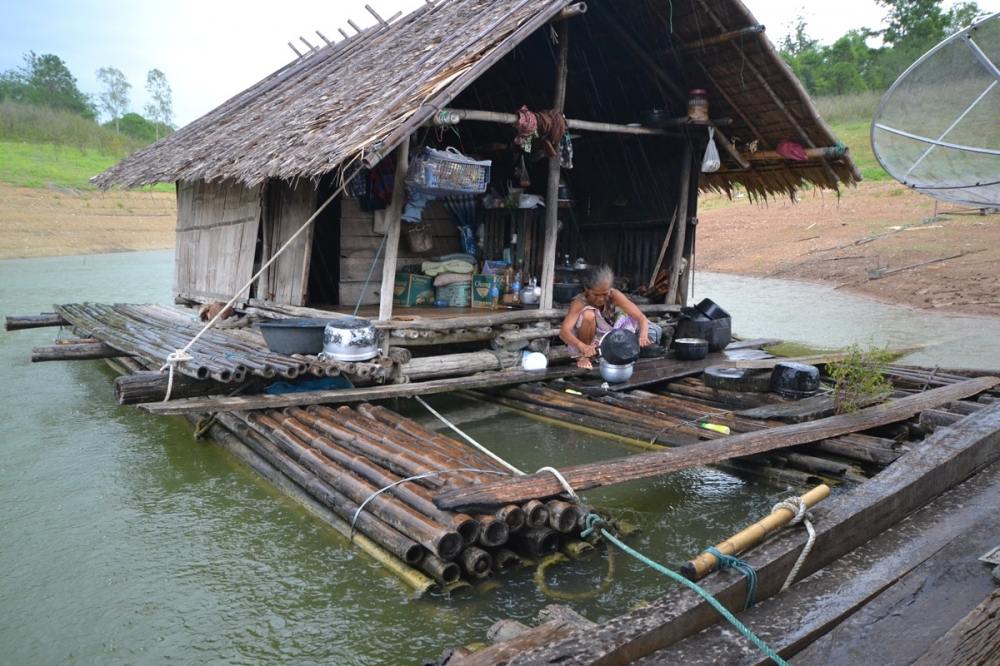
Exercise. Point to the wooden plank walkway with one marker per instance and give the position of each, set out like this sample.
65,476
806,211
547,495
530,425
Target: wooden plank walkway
621,470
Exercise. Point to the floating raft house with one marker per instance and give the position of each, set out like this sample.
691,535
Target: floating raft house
262,188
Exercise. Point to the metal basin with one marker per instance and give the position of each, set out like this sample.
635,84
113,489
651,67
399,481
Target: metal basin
350,340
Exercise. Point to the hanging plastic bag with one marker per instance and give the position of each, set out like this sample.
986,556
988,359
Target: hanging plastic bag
711,162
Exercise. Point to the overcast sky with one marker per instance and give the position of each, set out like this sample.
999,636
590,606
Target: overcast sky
212,49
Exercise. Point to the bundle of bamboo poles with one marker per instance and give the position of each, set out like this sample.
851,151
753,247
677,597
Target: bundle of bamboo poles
373,466
152,332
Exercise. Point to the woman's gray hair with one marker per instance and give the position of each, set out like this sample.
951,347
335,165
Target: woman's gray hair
596,275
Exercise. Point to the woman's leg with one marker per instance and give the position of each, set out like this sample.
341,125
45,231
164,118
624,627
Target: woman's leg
585,333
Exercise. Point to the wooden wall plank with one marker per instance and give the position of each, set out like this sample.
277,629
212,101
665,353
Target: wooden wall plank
217,226
286,208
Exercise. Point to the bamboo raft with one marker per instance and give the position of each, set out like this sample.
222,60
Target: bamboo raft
437,512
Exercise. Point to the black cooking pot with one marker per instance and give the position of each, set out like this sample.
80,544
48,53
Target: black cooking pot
711,309
693,324
690,349
795,380
620,347
564,292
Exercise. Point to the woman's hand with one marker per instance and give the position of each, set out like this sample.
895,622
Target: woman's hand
588,350
644,340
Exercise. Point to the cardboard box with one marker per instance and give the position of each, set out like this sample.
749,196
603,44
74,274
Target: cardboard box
411,289
481,285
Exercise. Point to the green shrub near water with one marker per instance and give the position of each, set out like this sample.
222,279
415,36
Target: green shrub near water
858,378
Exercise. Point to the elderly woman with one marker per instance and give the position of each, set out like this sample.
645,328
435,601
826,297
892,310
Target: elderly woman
596,312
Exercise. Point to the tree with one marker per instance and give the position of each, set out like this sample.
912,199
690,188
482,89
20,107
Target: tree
161,107
45,80
114,98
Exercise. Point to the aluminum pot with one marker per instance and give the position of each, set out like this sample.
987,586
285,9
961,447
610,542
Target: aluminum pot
530,295
616,374
350,340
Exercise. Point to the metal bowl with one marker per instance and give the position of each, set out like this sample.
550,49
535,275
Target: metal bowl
350,340
616,374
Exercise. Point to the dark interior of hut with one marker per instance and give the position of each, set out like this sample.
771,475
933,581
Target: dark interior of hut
615,203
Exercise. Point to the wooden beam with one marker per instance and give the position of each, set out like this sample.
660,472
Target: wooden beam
392,232
644,466
74,351
845,522
480,380
21,322
682,217
719,39
552,189
454,116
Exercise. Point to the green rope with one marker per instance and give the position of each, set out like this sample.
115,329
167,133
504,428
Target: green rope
594,522
730,562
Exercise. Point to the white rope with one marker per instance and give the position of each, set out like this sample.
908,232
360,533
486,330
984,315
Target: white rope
562,480
173,359
474,443
357,512
180,355
798,507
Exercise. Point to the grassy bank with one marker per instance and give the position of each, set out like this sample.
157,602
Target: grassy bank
41,147
850,118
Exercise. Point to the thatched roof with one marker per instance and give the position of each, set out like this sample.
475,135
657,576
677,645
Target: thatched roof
364,94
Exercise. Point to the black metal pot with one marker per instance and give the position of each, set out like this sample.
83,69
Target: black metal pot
691,349
620,347
795,380
564,292
718,332
711,309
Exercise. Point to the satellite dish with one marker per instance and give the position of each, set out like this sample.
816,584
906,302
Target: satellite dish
937,128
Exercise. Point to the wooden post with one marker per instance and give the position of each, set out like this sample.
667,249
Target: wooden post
392,231
552,192
682,222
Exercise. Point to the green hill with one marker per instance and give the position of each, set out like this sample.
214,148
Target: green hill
42,147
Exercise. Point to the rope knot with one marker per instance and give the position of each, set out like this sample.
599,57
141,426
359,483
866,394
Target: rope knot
592,522
795,505
729,562
173,359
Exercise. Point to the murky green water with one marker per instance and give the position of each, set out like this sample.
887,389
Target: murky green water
125,541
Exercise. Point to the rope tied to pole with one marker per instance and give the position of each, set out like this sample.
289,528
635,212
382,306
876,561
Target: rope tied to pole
797,505
735,563
425,475
174,358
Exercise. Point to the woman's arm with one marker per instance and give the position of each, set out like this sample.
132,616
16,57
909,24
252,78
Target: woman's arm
632,310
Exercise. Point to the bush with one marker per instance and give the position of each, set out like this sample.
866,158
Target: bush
858,379
38,124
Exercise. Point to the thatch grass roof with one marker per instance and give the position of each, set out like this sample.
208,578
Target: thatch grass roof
364,94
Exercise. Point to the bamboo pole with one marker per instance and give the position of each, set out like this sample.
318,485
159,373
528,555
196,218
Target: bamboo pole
552,189
21,322
392,231
74,351
747,538
233,435
440,540
681,230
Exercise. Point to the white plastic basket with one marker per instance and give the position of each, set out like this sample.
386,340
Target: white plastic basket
448,172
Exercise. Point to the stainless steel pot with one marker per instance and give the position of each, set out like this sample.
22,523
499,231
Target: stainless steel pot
616,374
350,340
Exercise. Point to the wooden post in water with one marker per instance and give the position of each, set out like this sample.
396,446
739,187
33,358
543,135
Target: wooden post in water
392,232
552,190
